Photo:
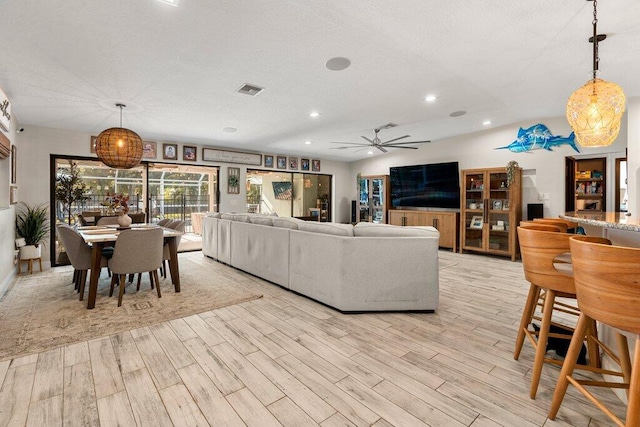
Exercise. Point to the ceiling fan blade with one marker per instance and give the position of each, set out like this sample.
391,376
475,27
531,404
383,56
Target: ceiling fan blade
340,148
405,143
364,137
351,143
381,149
400,146
395,139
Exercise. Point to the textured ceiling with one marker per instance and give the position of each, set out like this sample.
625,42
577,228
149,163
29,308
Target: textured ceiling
66,63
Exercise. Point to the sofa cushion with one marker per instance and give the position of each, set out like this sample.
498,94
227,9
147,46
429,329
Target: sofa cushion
327,228
227,216
285,222
214,215
365,229
261,220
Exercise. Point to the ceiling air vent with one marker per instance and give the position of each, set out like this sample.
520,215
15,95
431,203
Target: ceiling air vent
251,90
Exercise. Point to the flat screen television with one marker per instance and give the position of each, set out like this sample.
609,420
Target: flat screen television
435,185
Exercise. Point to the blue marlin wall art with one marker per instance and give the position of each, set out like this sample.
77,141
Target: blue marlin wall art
537,137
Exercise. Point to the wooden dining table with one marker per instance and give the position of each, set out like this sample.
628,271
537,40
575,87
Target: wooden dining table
99,236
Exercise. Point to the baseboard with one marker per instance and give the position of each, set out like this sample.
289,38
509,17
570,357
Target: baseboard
8,283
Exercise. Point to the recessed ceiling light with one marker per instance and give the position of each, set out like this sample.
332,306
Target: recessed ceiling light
314,114
369,152
486,122
458,113
171,2
229,129
307,142
338,63
430,98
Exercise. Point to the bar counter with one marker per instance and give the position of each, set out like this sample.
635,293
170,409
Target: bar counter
616,220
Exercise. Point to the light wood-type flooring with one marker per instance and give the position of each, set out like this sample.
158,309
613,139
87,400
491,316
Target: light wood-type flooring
287,360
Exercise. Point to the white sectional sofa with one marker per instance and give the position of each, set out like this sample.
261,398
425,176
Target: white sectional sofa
368,267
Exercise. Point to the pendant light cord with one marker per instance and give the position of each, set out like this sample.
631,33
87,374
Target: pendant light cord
596,60
121,106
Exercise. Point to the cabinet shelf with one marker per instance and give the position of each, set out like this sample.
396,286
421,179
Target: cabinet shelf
445,221
486,240
374,198
589,193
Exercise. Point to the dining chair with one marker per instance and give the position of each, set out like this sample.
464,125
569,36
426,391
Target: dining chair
177,225
136,251
549,279
79,253
88,217
607,289
107,220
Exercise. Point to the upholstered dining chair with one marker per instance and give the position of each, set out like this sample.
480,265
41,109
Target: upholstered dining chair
177,225
136,251
107,220
608,291
164,222
88,217
547,274
79,253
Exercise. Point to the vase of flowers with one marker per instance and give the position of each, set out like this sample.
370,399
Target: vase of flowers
118,203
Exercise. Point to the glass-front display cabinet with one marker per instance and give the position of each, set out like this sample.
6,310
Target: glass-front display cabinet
490,211
373,198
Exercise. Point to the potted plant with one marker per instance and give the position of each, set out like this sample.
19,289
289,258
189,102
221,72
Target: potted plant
32,225
70,188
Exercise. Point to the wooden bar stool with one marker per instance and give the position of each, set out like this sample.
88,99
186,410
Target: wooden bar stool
549,280
607,281
552,221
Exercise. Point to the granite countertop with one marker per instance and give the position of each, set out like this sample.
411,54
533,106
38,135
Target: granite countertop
605,219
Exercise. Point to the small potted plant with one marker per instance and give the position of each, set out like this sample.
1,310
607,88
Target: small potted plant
32,225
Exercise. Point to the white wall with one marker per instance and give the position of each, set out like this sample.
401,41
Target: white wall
7,218
37,143
543,170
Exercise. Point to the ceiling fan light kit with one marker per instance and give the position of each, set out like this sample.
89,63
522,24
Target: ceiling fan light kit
119,148
595,110
376,142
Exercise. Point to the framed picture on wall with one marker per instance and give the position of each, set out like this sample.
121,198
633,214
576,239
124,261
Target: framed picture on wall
14,160
268,161
233,180
92,147
189,153
282,162
304,164
170,151
293,163
315,165
149,150
13,194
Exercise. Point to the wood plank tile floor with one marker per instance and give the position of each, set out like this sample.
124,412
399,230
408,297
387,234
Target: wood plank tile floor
287,360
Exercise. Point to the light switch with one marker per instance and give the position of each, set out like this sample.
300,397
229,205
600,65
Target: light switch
546,196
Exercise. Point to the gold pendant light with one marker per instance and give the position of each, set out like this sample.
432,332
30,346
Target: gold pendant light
119,148
595,110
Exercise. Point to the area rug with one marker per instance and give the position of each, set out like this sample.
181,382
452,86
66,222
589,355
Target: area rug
42,311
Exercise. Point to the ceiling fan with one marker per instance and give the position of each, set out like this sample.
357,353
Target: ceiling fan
379,144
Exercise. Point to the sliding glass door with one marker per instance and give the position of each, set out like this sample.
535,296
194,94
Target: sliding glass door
299,195
155,191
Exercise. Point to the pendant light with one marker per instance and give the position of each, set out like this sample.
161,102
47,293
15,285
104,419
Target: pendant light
595,110
119,148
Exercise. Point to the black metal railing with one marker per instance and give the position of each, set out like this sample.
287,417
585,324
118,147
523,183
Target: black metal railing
178,207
